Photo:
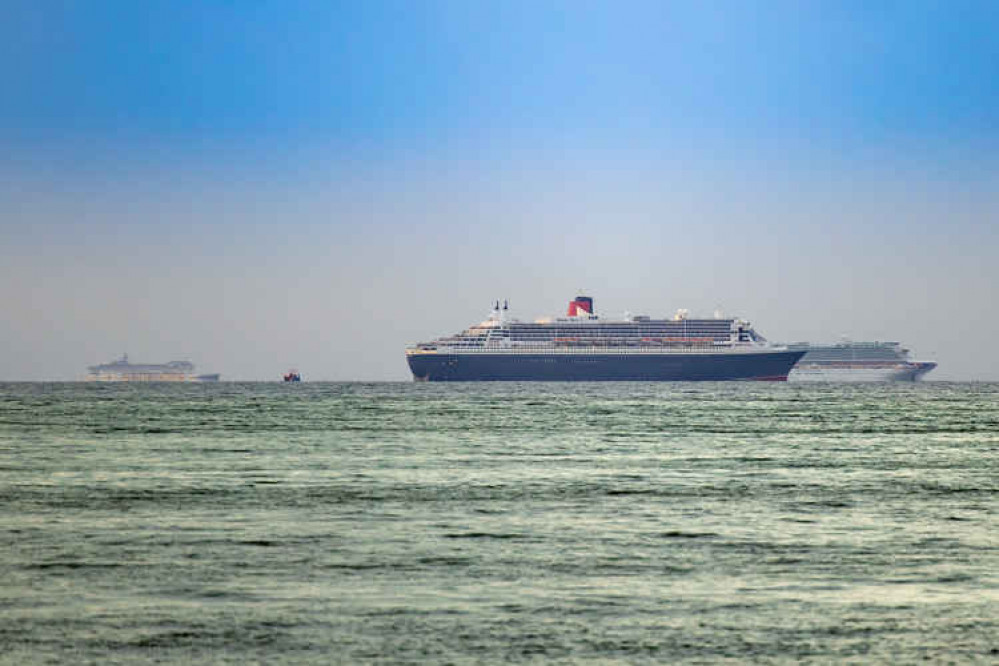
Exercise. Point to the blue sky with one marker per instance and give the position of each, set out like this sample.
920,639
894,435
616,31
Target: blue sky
413,73
825,168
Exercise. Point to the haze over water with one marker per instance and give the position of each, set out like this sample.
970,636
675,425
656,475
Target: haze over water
254,186
576,523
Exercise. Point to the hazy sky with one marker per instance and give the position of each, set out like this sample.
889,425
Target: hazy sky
257,185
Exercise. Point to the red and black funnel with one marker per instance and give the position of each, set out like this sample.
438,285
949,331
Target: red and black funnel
579,305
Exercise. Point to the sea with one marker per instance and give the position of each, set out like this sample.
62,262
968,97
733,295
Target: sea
522,523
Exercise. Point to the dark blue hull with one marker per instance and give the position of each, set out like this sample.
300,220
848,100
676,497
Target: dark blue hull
763,366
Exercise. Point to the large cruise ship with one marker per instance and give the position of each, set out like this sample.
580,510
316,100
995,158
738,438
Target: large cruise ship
857,362
584,347
121,370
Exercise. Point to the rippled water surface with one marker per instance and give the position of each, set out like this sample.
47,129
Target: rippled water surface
477,523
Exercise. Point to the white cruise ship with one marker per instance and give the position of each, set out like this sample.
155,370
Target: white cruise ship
121,370
857,362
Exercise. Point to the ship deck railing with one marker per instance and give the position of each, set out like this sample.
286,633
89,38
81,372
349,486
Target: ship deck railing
580,350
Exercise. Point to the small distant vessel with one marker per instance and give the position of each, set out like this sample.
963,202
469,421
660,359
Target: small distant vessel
584,347
293,376
121,370
857,362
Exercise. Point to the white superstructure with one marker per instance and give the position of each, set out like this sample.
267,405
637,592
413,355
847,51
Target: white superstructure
121,370
857,362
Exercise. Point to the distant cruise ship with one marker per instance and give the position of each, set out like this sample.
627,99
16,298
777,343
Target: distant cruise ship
857,362
583,347
123,371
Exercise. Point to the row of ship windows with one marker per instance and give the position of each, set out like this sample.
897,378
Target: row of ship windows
562,360
609,334
585,341
629,324
617,336
580,340
609,331
856,357
582,345
618,330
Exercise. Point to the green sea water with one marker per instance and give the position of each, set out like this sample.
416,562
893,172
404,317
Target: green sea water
483,523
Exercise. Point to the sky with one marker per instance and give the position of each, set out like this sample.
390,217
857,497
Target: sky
260,185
